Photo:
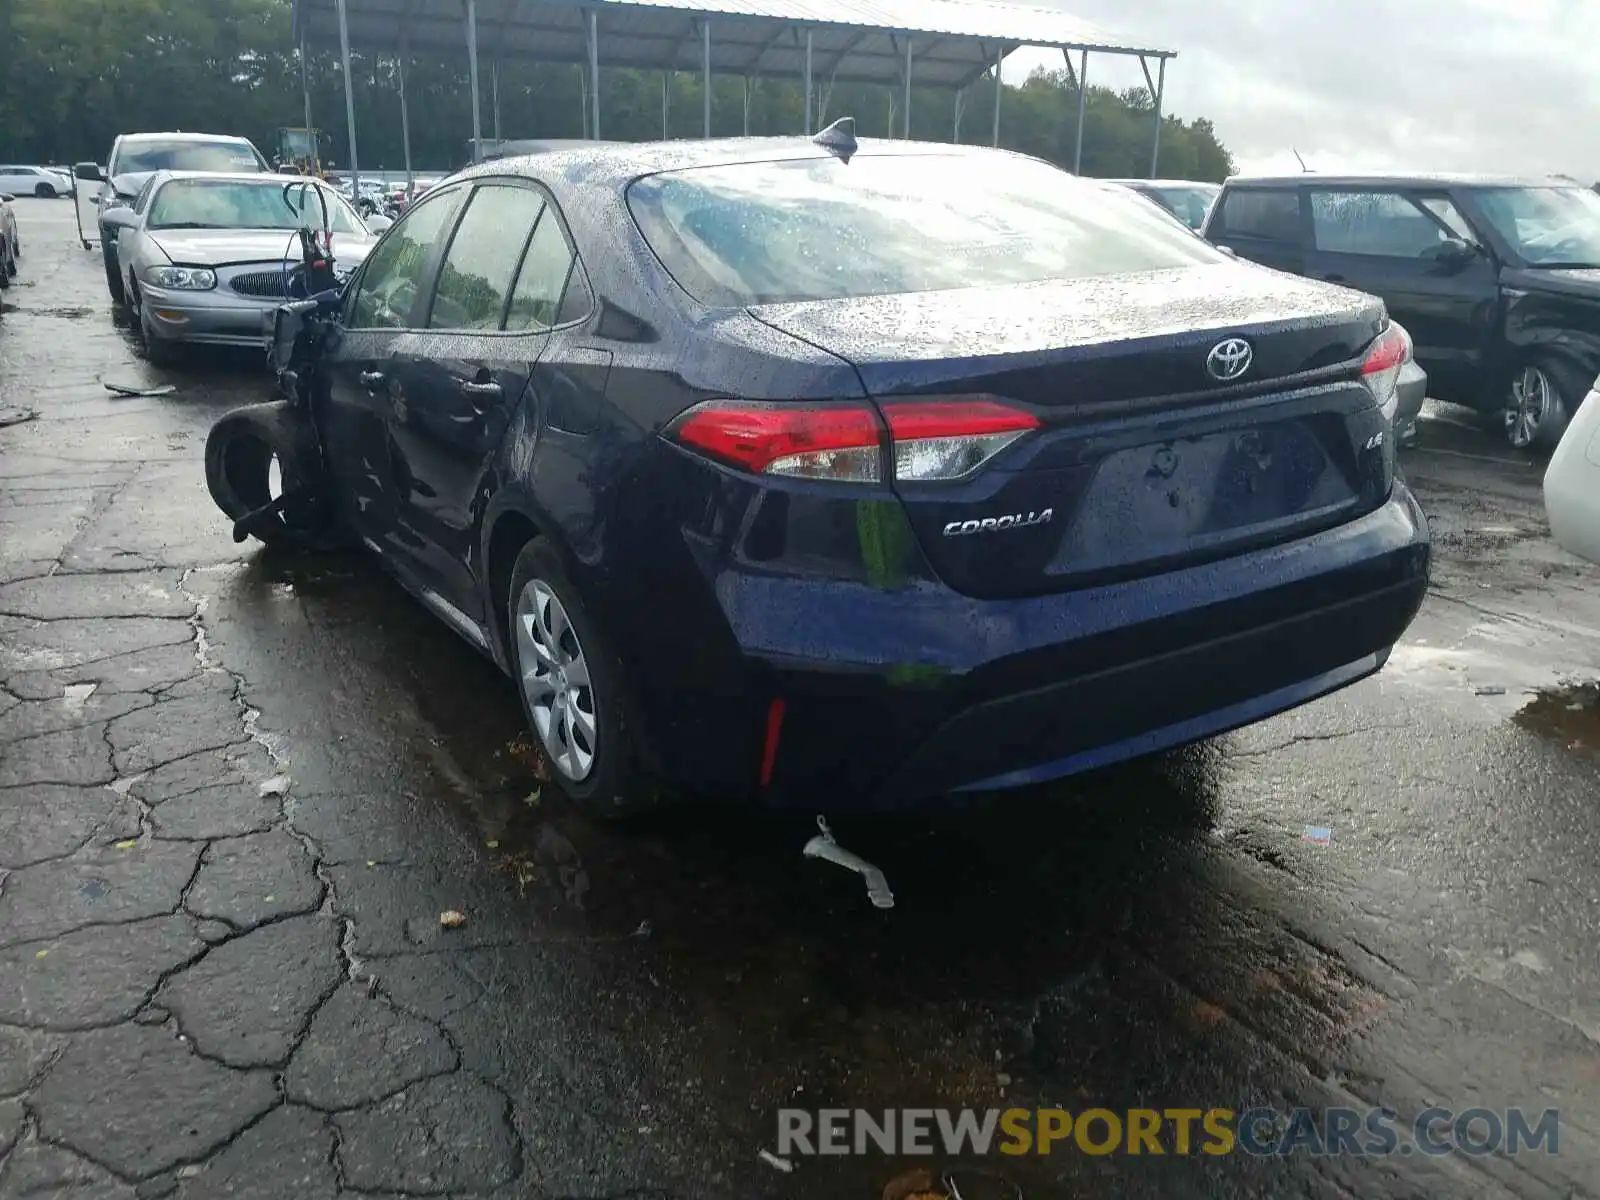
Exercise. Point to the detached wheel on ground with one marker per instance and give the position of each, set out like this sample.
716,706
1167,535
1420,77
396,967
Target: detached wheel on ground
573,691
1540,397
260,452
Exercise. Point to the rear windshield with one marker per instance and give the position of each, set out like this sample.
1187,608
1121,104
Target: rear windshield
822,229
1188,204
138,158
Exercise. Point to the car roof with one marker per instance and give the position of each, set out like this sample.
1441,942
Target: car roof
242,177
178,135
616,163
1164,183
1398,180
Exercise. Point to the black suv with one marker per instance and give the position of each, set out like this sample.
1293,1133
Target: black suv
1497,280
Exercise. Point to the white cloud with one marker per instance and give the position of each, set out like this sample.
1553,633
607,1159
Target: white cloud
1417,85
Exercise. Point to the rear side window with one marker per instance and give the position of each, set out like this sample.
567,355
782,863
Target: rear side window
476,277
1270,214
1380,224
536,303
822,229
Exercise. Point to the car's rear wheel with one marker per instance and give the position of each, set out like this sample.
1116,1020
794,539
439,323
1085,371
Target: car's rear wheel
573,691
7,269
1540,396
45,192
256,454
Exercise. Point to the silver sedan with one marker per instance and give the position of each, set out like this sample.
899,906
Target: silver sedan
209,257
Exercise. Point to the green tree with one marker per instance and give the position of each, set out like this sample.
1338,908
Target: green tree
79,72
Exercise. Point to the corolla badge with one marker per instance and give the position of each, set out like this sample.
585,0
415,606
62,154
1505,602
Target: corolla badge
995,524
1229,359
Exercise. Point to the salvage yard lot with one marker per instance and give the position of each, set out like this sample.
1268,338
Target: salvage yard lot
214,991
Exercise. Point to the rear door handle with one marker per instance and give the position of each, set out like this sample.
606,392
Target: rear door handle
474,387
371,379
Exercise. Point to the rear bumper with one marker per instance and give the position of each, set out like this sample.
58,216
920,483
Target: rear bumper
1411,391
1572,484
897,693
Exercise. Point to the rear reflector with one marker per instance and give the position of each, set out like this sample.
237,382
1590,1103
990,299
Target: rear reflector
769,745
936,438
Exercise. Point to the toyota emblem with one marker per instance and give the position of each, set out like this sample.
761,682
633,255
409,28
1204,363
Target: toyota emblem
1229,359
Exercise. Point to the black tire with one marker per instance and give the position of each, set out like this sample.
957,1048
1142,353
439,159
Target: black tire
1564,386
113,274
45,192
6,268
617,785
239,454
158,351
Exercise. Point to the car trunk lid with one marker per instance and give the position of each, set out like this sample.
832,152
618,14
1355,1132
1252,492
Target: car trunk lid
1143,459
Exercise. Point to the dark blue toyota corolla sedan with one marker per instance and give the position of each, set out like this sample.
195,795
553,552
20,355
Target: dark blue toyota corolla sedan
855,472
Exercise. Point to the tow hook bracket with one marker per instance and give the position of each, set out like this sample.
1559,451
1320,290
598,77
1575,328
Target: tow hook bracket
824,846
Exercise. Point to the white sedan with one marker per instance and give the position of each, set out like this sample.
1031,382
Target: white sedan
1572,483
34,181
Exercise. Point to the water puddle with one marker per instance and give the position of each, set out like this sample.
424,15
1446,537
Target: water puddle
1569,714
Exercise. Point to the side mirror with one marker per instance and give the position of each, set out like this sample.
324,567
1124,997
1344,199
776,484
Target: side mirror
89,171
1453,253
120,216
377,223
1229,251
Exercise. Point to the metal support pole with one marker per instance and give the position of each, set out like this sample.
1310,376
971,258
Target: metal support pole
583,100
1083,100
905,127
666,106
305,91
808,82
349,102
705,73
405,120
472,72
594,73
1155,147
961,108
999,56
494,92
747,106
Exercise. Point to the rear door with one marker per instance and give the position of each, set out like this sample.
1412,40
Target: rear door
497,294
1263,224
384,299
1387,242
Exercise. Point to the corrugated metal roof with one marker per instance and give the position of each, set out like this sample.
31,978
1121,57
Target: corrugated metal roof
952,41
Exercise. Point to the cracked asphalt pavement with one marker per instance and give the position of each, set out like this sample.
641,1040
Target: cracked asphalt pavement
207,990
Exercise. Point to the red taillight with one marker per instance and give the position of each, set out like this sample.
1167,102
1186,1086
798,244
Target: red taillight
950,437
811,441
1380,370
1391,350
935,438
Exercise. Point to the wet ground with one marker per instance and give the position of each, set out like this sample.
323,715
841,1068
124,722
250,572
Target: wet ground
210,991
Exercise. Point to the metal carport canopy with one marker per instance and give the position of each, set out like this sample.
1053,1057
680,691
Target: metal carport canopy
952,42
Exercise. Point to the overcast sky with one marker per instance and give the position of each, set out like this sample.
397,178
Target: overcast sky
1425,85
